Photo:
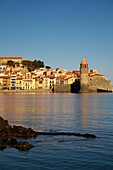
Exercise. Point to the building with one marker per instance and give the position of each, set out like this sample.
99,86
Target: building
19,81
4,59
13,81
84,79
48,82
28,84
90,81
3,68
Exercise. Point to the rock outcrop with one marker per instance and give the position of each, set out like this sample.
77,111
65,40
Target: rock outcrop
85,135
9,134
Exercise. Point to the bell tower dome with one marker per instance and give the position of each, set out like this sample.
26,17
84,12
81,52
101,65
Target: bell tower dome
84,79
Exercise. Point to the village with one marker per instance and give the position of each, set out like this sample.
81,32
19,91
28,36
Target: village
18,77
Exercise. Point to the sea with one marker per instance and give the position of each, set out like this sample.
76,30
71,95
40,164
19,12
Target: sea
61,112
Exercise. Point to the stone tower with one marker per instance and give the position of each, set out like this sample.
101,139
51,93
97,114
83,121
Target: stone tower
84,79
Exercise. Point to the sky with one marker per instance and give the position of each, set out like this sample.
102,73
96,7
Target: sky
59,32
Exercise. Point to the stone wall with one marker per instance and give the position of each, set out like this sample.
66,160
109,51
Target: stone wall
62,88
99,83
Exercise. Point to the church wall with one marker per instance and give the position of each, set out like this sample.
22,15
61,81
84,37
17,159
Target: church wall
99,83
93,83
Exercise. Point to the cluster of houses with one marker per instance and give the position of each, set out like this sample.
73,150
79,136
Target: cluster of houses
18,77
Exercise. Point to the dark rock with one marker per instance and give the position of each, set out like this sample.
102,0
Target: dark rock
8,140
23,146
22,132
2,147
12,142
4,126
16,131
8,134
87,135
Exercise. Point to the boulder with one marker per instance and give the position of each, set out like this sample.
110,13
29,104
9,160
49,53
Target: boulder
23,146
9,134
22,132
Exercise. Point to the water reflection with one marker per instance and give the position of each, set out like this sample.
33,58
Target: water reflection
70,112
89,109
62,112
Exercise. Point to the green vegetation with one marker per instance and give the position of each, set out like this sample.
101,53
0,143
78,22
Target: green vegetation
31,65
48,67
11,63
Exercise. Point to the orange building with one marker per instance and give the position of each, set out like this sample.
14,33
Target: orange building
4,59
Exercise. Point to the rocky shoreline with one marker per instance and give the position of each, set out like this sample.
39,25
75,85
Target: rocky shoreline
9,135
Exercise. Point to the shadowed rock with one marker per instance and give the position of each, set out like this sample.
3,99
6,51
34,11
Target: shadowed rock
12,142
2,147
22,132
8,134
86,135
23,146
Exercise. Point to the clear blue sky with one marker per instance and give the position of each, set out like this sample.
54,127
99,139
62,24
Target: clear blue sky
59,32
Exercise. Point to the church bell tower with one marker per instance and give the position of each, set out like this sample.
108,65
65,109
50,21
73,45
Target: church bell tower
84,79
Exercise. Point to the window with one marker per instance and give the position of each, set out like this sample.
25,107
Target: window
61,81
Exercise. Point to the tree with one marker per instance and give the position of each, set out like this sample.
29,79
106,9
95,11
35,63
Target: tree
48,67
11,63
38,64
31,65
28,64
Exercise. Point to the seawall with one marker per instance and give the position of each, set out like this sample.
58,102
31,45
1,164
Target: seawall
27,91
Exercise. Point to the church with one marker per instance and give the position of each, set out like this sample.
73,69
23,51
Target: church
90,81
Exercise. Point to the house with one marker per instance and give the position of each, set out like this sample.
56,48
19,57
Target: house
19,81
28,84
4,59
13,78
1,82
49,82
39,83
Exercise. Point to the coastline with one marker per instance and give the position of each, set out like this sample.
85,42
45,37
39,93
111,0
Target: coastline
27,91
45,91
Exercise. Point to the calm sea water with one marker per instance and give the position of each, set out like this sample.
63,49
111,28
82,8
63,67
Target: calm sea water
83,113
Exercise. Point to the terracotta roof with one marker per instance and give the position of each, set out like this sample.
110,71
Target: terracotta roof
50,76
19,78
4,77
68,78
94,75
62,77
13,57
76,71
